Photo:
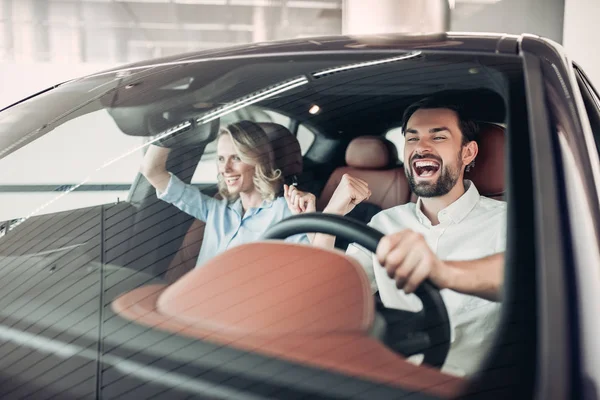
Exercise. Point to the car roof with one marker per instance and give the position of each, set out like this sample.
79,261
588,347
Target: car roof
498,43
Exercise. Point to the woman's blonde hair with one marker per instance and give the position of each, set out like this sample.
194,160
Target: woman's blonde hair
253,147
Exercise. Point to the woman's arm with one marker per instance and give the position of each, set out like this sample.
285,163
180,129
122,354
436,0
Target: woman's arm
186,197
154,167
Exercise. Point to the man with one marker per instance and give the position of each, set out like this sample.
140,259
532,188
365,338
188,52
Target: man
450,222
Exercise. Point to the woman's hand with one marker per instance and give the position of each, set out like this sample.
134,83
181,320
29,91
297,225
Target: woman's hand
299,202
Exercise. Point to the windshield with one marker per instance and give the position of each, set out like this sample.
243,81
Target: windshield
108,118
140,177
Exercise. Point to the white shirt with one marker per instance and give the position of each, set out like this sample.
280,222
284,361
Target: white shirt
472,227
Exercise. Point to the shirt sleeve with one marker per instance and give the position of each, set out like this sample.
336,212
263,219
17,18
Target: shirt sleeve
390,295
501,239
187,198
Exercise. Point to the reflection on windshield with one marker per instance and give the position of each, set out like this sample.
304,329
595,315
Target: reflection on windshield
103,83
366,64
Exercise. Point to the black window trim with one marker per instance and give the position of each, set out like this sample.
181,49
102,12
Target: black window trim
557,347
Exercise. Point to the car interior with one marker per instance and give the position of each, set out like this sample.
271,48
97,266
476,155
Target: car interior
372,158
375,160
147,241
350,137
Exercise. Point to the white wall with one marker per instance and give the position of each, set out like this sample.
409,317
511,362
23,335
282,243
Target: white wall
383,16
19,80
580,36
538,17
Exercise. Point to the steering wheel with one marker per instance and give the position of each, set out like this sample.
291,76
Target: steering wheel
424,332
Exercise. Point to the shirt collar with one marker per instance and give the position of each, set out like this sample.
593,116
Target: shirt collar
237,206
456,211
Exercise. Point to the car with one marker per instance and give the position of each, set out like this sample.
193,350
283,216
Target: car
99,297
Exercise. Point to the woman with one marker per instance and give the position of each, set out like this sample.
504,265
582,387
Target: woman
248,184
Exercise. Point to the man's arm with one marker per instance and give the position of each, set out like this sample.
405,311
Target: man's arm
482,277
349,192
409,260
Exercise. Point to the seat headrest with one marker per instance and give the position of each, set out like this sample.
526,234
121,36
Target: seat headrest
288,155
243,291
371,152
488,172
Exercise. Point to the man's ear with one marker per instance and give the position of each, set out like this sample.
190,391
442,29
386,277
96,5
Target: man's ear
469,152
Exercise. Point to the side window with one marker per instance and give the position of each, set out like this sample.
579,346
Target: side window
395,136
305,137
40,177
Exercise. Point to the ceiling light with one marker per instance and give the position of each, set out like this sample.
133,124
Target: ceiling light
314,109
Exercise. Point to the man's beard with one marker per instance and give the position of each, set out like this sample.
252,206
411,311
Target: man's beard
442,186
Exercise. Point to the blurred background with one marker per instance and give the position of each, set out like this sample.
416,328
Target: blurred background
43,42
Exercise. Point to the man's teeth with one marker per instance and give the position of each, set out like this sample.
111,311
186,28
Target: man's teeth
426,164
426,168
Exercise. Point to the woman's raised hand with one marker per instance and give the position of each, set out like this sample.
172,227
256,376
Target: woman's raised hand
299,202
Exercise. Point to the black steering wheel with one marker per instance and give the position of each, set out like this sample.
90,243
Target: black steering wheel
425,332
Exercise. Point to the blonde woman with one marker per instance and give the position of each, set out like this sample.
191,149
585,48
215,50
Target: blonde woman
248,183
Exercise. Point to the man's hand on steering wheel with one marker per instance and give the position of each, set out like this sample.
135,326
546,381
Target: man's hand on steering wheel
408,260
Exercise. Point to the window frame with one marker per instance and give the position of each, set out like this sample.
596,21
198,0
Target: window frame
591,101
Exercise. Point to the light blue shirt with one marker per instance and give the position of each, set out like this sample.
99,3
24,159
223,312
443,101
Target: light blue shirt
225,226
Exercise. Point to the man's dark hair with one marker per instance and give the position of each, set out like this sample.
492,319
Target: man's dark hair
468,127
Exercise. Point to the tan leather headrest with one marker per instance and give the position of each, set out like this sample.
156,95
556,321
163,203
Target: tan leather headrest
488,172
288,155
274,288
371,152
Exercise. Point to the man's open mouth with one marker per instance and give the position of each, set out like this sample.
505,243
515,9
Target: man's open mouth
425,168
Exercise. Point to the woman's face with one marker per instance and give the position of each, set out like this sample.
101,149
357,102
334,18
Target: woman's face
237,175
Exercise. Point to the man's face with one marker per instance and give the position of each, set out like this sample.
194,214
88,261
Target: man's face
433,152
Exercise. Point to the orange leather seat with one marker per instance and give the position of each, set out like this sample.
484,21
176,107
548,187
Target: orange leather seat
488,172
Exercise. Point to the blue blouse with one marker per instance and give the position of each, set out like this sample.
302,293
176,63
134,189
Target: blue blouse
225,226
